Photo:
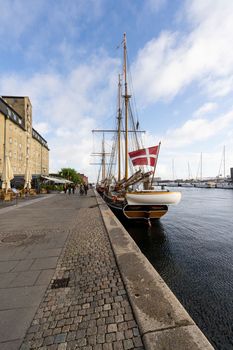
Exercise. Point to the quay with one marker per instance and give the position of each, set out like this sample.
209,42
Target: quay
71,277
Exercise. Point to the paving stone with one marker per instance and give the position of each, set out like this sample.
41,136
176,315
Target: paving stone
24,265
44,277
7,278
110,337
135,332
62,346
137,342
100,338
81,342
97,347
107,346
112,328
92,340
128,334
118,345
128,344
60,338
44,263
7,266
48,340
25,278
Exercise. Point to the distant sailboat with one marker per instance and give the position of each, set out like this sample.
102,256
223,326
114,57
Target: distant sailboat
223,183
187,183
173,183
199,183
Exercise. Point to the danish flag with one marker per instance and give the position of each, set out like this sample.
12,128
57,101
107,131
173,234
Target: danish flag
145,156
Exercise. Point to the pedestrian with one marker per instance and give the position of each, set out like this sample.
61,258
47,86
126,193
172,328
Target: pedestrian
73,188
69,189
65,188
85,188
81,190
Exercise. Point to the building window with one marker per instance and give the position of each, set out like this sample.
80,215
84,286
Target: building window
10,140
10,154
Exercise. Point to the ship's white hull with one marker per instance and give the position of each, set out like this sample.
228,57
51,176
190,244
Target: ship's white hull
153,198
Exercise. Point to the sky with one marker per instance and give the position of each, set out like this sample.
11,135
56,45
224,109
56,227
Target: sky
66,56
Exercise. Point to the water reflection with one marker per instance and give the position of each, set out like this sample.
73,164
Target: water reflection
144,235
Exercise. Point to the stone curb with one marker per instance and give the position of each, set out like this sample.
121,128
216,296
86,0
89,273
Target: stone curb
163,321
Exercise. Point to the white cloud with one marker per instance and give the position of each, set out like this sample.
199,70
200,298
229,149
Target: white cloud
197,130
171,62
42,128
184,144
155,5
205,109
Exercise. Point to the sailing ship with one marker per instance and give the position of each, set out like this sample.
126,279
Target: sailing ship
133,196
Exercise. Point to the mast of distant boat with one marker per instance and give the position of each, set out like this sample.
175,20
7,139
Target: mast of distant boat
173,171
201,167
224,162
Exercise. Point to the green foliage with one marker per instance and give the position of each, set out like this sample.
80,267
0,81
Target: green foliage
70,174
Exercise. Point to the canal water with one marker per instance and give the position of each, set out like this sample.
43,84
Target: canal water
192,249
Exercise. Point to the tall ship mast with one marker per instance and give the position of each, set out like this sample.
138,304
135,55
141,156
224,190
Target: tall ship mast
132,196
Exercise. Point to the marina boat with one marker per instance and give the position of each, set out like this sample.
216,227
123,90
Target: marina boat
186,184
130,193
208,184
172,184
225,185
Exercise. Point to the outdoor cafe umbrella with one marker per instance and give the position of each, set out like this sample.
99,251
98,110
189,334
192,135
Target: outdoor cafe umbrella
27,178
7,174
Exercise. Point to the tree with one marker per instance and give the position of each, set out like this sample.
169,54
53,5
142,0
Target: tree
70,174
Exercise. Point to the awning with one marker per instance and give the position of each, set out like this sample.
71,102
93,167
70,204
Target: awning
57,180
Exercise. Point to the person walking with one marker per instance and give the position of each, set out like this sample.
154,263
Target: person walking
69,189
73,188
65,188
85,188
81,190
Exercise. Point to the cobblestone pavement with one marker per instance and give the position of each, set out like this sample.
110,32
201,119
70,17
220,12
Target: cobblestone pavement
93,311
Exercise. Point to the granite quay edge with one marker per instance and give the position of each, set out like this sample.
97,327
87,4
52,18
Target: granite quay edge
162,320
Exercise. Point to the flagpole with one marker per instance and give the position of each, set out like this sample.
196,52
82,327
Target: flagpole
155,165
